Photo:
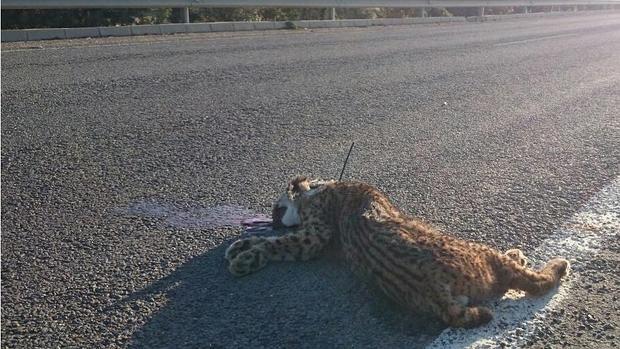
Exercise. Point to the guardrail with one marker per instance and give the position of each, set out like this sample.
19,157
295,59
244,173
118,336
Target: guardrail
50,4
181,28
64,33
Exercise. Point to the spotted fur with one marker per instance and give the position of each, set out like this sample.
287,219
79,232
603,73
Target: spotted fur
411,262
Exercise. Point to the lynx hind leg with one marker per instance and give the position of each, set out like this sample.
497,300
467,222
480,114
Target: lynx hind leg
469,317
518,256
537,283
458,315
455,312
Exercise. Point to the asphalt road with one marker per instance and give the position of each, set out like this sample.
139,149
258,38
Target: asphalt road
116,151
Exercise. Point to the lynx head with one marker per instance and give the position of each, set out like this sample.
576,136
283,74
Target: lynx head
286,209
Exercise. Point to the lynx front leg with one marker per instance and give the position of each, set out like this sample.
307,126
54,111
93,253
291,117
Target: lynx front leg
247,262
540,282
302,245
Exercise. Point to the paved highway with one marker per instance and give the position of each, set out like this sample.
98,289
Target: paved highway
125,160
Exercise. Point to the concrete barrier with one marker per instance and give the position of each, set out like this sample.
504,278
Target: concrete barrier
176,28
492,18
264,25
68,33
45,34
14,35
243,26
310,24
392,21
198,27
222,26
355,22
89,32
115,31
149,29
280,25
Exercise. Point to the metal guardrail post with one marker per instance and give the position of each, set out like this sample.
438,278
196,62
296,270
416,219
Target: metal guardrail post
481,11
333,13
526,10
186,14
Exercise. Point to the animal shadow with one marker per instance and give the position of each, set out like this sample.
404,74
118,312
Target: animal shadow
287,305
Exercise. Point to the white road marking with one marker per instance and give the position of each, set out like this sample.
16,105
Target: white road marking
534,39
516,316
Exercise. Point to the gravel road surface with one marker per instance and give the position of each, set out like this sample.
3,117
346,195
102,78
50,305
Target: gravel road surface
126,162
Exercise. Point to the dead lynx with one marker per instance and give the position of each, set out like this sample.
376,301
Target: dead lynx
412,263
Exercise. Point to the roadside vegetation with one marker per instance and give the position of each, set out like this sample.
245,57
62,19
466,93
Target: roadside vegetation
21,19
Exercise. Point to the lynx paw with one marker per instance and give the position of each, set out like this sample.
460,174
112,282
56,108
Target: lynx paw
247,262
518,256
239,246
471,317
559,266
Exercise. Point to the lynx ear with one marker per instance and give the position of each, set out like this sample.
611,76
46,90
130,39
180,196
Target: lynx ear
298,186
